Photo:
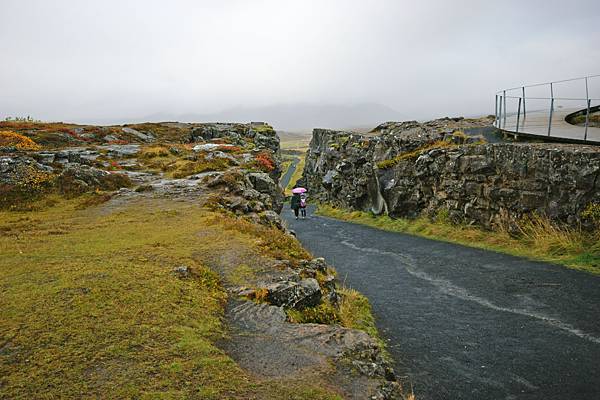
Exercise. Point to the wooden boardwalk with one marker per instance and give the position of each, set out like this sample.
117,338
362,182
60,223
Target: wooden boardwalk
536,124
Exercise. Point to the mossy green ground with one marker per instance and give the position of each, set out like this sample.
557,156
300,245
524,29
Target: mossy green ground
90,306
538,240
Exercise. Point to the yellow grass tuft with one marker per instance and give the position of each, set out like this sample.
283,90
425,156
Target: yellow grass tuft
20,142
409,155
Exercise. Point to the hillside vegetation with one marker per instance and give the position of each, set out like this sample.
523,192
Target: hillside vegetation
131,254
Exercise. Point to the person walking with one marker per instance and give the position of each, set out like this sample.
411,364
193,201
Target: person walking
295,203
303,205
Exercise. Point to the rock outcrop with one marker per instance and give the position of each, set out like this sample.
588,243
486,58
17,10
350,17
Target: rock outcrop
266,342
291,349
261,134
27,177
408,169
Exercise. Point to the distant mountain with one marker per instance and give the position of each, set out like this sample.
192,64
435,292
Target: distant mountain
296,117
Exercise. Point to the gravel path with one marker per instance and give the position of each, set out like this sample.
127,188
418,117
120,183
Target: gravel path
285,179
464,323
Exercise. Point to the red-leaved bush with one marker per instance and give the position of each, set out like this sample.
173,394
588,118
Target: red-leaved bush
265,162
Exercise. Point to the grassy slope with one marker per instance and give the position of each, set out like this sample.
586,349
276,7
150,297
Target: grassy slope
90,307
538,241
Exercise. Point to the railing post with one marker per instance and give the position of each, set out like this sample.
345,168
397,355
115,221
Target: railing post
587,120
518,115
504,97
499,112
496,111
550,119
587,114
551,108
524,112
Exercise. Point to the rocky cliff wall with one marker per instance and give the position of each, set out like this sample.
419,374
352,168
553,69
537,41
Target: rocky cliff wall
430,168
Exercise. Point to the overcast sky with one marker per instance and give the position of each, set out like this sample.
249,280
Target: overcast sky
121,59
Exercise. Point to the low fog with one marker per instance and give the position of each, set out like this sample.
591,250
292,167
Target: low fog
333,63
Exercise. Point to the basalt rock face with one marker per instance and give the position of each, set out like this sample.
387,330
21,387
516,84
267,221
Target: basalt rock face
495,184
432,172
341,167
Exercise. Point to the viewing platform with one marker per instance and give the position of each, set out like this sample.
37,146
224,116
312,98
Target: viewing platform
563,116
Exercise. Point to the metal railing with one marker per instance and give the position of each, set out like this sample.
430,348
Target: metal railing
520,120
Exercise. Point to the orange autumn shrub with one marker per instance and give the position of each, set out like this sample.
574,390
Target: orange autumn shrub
265,162
12,139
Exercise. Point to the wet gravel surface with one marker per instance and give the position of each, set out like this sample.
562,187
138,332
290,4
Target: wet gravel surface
464,323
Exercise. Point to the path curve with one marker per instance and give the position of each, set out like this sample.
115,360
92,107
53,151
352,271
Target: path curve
285,179
536,125
464,323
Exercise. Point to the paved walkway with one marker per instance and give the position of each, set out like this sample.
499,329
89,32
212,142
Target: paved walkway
285,179
464,323
536,124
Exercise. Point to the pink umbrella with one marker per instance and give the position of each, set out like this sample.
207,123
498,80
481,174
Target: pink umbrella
299,190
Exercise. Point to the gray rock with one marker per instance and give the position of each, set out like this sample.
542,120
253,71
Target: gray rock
305,293
46,157
82,175
121,150
110,138
264,342
76,155
329,177
182,271
205,147
146,137
247,157
219,154
262,182
272,218
263,136
316,264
